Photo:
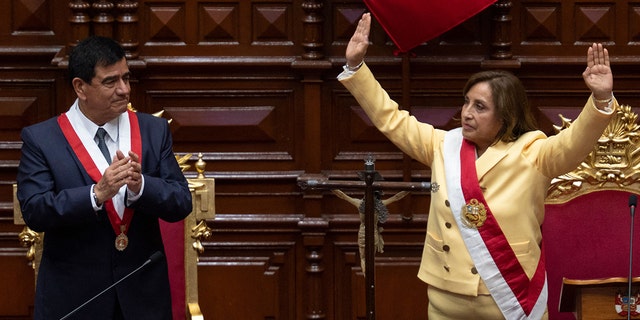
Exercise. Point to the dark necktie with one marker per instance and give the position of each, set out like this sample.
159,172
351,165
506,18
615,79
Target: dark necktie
102,145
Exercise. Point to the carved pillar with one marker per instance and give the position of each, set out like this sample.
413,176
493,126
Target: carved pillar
501,43
79,21
314,299
312,26
127,27
311,275
103,18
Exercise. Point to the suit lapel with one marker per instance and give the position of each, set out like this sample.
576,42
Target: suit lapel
491,157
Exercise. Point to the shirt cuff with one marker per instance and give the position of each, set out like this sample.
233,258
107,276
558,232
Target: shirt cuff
94,199
348,72
131,197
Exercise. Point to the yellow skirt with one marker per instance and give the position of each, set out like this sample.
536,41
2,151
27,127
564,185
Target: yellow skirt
445,305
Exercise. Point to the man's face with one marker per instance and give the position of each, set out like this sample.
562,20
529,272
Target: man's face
107,96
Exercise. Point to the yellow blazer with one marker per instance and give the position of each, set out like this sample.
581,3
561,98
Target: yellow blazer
514,176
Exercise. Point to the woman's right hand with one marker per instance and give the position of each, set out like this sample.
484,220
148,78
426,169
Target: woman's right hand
357,47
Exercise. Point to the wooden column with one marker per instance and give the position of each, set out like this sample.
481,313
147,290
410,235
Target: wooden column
501,42
312,24
127,27
102,21
500,54
313,226
79,21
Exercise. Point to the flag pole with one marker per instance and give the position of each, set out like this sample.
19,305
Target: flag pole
406,105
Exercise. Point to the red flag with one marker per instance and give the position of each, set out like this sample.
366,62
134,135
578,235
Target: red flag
412,22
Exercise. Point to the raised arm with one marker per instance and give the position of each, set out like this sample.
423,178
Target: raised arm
357,47
598,76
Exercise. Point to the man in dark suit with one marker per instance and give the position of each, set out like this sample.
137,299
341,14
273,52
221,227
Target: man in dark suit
98,199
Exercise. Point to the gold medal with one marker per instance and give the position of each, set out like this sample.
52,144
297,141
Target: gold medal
122,240
474,214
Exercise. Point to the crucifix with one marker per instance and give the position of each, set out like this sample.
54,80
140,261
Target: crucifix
373,187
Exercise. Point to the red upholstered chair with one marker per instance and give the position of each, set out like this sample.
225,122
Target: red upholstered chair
586,229
182,242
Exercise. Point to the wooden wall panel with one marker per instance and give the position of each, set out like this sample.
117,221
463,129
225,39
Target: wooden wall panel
24,102
32,24
249,280
251,85
220,28
250,273
398,294
19,284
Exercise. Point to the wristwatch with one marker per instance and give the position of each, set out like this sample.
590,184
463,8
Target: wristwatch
95,197
346,67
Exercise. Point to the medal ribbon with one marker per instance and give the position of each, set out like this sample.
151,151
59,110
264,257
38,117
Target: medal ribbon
95,174
526,291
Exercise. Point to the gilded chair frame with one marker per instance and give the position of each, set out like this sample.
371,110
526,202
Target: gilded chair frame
614,163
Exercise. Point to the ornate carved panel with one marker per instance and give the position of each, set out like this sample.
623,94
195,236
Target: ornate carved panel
272,24
22,104
594,23
219,24
166,24
542,24
231,120
32,16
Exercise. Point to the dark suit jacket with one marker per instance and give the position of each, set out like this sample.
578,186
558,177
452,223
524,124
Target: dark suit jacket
79,258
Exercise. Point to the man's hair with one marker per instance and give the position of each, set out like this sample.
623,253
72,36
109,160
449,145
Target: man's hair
92,52
510,100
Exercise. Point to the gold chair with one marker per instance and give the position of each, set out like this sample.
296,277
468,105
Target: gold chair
586,229
183,261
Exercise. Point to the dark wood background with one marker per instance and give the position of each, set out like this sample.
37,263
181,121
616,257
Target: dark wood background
251,84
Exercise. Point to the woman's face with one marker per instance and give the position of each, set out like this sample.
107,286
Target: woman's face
480,121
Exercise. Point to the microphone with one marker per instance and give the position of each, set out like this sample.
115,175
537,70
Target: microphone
153,258
633,201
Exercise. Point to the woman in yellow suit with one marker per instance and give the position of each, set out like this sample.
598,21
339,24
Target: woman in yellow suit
482,256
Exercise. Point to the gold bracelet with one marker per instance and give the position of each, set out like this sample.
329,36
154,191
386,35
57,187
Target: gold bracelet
603,101
353,69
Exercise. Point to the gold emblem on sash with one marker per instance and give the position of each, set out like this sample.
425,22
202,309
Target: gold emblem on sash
122,240
474,214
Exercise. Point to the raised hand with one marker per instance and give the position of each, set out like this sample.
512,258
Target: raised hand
598,76
357,47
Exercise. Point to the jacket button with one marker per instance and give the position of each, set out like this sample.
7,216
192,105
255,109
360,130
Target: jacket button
474,270
445,248
446,203
446,268
448,225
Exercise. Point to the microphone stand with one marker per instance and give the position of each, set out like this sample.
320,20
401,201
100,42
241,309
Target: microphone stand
157,255
632,207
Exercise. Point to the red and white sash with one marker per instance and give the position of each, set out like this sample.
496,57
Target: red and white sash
84,146
516,295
